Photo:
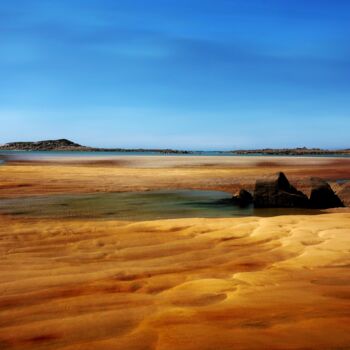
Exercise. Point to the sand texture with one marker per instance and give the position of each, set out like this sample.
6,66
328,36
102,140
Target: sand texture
249,283
51,175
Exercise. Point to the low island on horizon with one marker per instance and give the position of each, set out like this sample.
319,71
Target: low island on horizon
70,146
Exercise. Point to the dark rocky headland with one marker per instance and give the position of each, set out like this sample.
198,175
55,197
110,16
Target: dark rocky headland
67,145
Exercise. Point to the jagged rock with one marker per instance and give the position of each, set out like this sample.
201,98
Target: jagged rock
344,194
276,192
243,198
322,196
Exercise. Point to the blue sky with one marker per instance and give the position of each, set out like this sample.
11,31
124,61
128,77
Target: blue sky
191,74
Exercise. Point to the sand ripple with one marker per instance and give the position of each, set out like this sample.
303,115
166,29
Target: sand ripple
248,283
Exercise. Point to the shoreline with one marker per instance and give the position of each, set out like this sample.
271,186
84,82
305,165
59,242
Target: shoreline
173,153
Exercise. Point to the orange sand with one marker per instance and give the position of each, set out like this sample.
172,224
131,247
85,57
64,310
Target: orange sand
190,284
252,283
138,173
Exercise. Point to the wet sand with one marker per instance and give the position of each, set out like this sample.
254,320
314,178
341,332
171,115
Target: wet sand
53,175
212,284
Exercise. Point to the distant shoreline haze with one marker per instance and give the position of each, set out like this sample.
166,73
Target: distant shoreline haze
67,145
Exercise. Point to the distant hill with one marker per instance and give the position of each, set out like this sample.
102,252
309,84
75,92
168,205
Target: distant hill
67,145
46,145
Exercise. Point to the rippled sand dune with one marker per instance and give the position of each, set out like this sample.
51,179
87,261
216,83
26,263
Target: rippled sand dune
245,283
192,284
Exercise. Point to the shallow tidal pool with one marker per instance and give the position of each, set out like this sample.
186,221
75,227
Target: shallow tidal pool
150,205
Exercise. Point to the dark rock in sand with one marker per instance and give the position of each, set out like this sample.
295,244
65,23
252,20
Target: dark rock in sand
243,198
276,192
344,194
322,196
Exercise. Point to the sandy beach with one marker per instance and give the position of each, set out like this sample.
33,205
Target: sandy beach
279,282
28,176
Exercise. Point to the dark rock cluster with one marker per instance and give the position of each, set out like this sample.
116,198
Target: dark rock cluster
243,198
276,192
322,195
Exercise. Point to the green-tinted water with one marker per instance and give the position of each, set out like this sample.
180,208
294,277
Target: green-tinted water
133,206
